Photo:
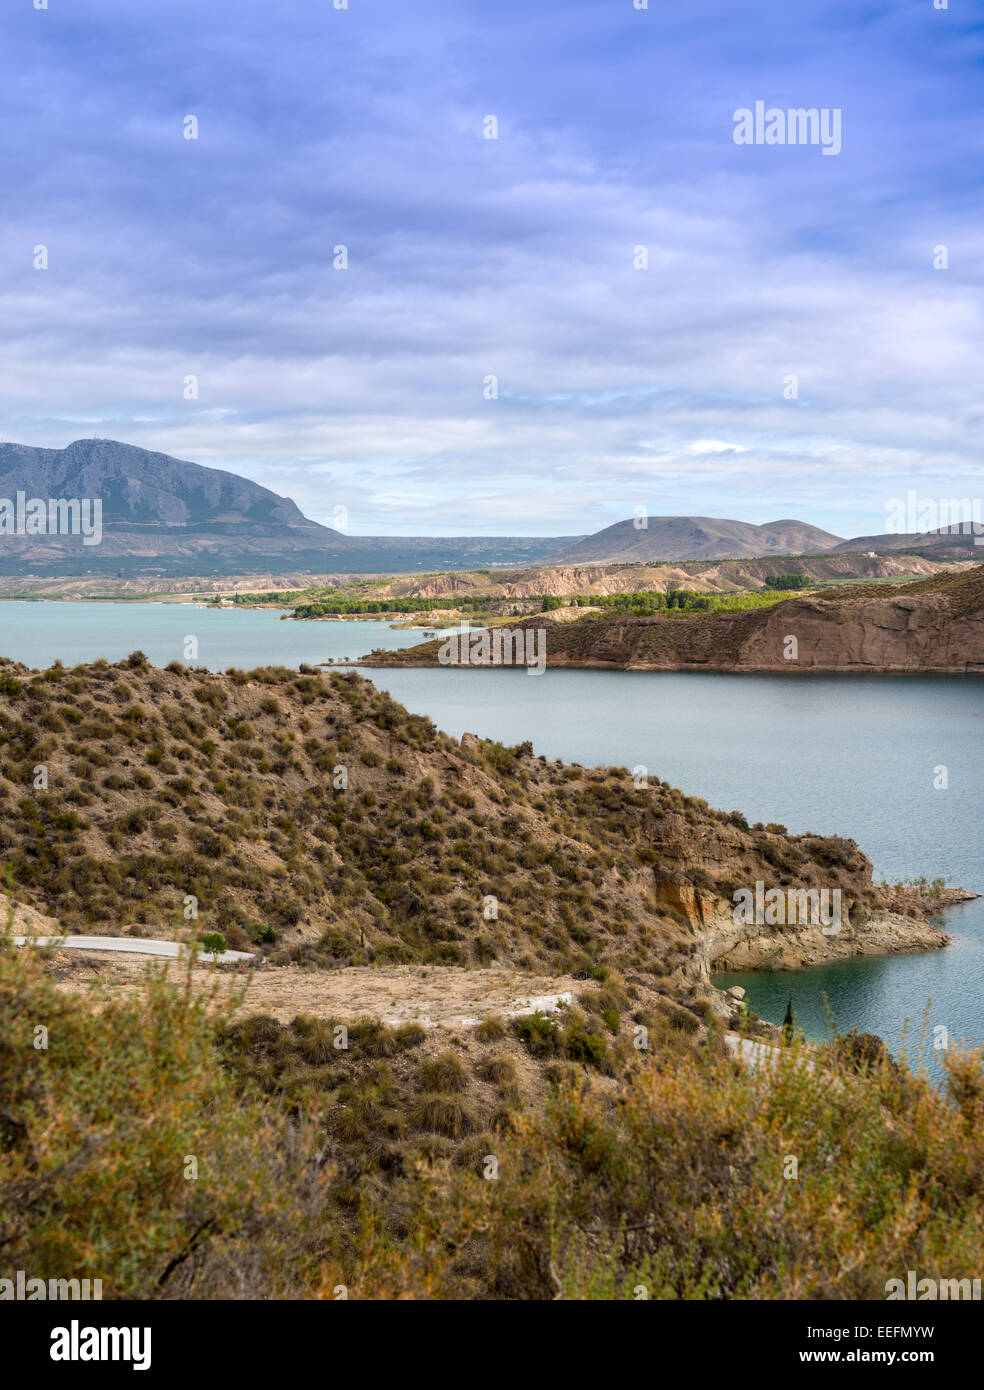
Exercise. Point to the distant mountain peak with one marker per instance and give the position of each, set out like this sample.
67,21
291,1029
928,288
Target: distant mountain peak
140,487
166,516
695,538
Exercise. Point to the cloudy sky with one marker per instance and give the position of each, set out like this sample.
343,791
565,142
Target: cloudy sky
512,258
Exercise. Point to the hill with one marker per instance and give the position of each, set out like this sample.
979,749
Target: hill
340,1149
932,624
950,543
695,538
316,816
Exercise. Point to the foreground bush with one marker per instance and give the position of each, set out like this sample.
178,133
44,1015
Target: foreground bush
703,1180
140,1146
126,1156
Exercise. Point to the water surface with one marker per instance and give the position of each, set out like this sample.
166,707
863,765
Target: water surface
40,633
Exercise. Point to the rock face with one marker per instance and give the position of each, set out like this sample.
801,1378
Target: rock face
731,947
934,624
865,928
894,634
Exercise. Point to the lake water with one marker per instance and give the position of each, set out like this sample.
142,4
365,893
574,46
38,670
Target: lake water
848,755
40,633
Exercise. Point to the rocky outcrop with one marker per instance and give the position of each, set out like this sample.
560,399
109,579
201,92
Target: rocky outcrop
728,946
932,625
901,633
724,942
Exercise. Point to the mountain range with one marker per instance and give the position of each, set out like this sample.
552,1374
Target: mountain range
164,516
167,516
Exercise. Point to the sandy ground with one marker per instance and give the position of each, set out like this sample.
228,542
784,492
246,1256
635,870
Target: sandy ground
436,996
26,921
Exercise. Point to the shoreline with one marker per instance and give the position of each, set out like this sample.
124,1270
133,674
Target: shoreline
719,669
895,933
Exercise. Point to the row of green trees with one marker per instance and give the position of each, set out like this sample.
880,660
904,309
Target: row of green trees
680,600
787,581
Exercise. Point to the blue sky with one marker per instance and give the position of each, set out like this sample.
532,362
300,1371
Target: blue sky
468,258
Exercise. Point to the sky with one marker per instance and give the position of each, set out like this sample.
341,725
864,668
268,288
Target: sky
494,358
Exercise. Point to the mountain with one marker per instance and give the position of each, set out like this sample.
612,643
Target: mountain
695,538
952,542
167,516
157,512
164,517
146,490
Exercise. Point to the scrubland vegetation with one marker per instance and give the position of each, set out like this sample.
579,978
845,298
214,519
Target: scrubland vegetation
314,819
174,1144
175,1152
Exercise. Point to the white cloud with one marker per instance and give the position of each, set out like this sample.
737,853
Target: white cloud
715,446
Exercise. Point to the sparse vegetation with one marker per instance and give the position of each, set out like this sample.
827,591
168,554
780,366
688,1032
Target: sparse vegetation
319,1166
314,819
355,1152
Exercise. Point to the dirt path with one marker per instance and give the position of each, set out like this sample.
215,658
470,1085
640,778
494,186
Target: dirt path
436,996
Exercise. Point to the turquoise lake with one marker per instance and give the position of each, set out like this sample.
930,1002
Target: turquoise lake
847,755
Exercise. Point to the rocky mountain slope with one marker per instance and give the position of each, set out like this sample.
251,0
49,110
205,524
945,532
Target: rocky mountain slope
154,508
166,516
143,489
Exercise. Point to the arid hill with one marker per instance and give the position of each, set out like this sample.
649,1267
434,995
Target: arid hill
704,577
679,538
933,624
959,541
320,821
695,538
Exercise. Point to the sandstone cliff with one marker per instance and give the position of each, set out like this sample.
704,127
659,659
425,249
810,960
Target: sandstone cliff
934,624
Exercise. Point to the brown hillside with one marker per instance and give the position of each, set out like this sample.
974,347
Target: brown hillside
165,785
933,624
